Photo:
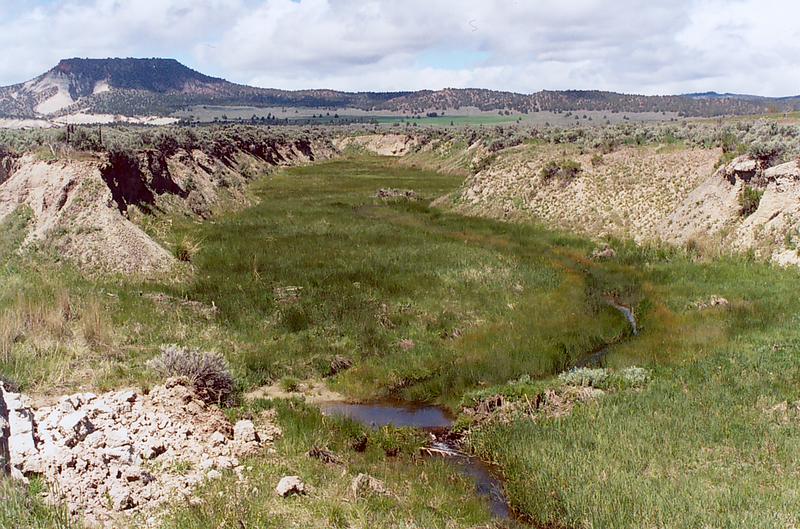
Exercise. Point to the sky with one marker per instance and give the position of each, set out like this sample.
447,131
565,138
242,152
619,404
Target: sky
633,46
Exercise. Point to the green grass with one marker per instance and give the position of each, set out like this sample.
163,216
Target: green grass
698,447
498,297
22,507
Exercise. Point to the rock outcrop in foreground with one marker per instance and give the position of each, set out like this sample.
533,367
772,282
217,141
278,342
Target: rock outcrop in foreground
126,452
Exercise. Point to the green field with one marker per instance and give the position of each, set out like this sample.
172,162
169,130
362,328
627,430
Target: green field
436,307
444,121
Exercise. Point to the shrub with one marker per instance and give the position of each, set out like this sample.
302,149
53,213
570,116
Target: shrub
749,199
85,140
584,376
635,377
566,169
166,143
629,377
208,372
290,384
185,249
766,152
550,170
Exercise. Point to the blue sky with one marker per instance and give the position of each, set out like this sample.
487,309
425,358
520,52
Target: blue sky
636,46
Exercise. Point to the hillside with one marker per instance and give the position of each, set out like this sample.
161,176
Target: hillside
147,87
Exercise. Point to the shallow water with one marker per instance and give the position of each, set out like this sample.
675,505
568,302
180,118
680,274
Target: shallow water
628,313
432,419
597,357
436,420
384,414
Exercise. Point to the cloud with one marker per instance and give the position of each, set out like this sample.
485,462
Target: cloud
34,39
640,46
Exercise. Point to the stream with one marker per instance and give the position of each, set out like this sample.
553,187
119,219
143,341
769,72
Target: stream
436,421
597,357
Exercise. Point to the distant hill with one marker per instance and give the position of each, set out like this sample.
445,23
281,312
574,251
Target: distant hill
132,87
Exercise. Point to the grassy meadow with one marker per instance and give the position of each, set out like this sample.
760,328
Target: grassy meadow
431,306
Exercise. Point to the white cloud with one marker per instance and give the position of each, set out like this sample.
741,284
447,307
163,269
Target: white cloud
642,46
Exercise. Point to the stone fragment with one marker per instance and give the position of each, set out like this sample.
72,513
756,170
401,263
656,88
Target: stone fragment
75,427
245,432
92,449
290,485
364,485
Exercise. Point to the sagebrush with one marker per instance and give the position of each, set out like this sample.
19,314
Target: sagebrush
208,372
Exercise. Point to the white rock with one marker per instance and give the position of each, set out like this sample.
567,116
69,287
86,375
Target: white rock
225,462
75,427
217,439
214,474
364,484
245,432
118,437
289,485
21,445
120,453
127,396
121,498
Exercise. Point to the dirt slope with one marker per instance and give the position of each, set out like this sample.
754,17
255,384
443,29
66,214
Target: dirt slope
73,209
381,144
627,193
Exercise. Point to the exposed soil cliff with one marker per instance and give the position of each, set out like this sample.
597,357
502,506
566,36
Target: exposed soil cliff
85,207
765,222
381,144
625,193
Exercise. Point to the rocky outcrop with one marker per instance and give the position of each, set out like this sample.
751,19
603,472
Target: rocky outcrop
290,486
365,485
126,452
713,211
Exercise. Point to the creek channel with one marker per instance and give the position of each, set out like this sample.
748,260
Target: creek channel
438,422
